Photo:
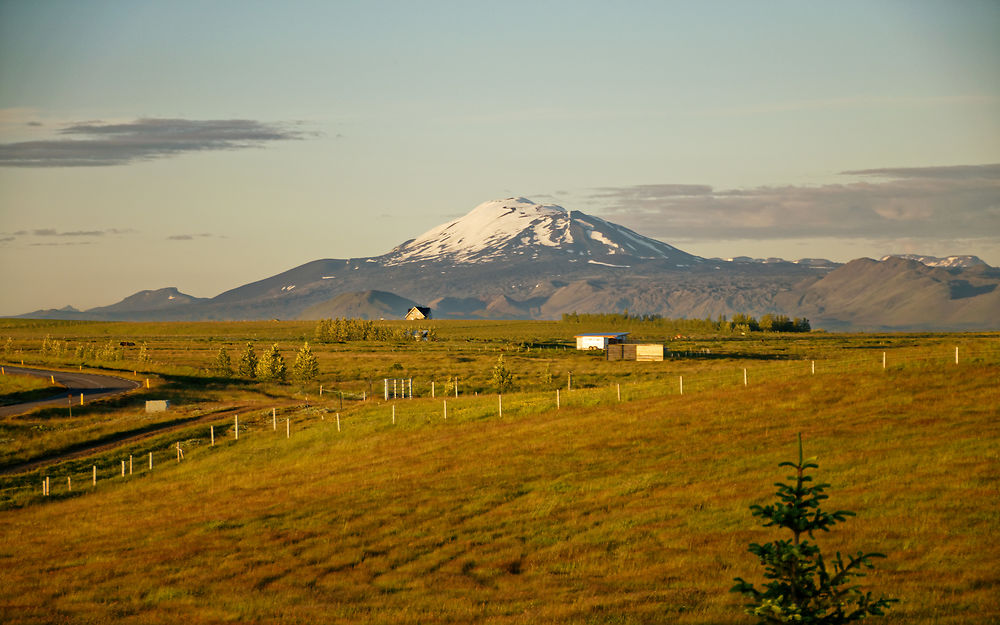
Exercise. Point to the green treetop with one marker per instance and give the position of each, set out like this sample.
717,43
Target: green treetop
802,587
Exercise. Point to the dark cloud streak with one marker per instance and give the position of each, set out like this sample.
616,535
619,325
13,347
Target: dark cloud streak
191,237
97,144
922,203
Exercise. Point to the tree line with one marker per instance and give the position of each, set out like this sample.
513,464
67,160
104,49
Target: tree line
341,330
739,322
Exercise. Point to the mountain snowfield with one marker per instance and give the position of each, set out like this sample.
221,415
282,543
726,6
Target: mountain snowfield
516,226
934,261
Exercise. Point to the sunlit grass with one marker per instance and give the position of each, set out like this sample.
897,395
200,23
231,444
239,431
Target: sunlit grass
599,511
22,388
631,513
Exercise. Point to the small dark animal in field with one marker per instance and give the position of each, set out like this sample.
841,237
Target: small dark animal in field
126,344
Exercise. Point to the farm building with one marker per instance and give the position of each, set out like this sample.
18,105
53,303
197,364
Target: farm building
651,352
416,313
599,340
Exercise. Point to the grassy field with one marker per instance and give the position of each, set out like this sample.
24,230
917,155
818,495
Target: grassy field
600,511
15,389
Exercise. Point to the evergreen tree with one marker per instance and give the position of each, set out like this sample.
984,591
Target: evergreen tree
248,363
223,366
802,588
502,378
306,367
272,365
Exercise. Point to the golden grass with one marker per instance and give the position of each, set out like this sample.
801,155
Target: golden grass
22,388
596,513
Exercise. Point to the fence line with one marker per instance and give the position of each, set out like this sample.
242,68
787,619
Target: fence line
612,393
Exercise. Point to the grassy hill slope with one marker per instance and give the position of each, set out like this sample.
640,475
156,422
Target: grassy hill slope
608,513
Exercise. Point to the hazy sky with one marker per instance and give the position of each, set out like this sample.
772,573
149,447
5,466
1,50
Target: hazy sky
204,145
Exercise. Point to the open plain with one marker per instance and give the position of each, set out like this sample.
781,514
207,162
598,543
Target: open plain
590,492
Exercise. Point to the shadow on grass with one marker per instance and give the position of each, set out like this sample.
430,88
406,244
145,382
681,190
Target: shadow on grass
694,355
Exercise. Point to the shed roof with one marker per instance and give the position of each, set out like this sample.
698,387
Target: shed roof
601,334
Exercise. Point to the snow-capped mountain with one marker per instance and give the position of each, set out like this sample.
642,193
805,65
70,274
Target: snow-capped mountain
514,259
934,261
505,229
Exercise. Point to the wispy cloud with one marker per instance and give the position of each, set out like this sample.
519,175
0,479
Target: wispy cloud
96,144
958,202
73,236
60,243
191,237
52,232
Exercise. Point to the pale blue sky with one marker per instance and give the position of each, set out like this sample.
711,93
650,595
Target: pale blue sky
367,123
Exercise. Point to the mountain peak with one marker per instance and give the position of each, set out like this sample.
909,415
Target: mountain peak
518,228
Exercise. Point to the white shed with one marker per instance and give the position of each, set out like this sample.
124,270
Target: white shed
599,340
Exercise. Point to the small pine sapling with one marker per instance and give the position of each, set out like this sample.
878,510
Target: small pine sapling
223,365
502,378
271,365
248,363
306,367
802,588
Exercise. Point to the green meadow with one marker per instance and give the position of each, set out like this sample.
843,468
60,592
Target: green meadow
592,492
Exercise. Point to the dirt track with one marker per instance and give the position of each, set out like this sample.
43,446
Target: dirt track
96,386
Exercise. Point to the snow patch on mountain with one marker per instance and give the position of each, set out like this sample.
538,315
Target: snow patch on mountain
934,261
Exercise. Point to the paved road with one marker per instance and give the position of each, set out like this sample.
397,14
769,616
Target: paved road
91,385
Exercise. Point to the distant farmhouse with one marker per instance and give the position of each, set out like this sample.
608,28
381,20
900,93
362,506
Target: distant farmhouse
417,313
599,340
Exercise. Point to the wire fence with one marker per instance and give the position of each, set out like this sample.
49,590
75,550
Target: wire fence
374,413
